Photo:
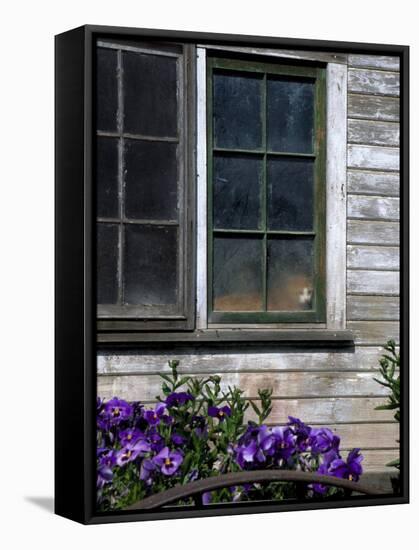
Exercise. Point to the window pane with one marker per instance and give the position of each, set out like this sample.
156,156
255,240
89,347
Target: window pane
237,274
106,90
290,111
150,265
150,94
237,189
237,111
290,194
290,274
150,176
107,177
107,263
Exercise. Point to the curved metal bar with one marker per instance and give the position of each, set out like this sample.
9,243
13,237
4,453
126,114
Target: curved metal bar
229,480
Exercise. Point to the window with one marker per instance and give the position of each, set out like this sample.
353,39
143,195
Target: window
255,237
143,185
266,192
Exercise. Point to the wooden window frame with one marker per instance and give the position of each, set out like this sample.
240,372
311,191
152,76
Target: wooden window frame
182,315
335,183
310,73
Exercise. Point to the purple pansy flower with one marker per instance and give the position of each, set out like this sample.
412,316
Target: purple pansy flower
105,465
131,451
178,399
302,432
178,439
130,435
284,442
154,416
146,470
350,469
206,498
168,461
117,410
323,440
219,412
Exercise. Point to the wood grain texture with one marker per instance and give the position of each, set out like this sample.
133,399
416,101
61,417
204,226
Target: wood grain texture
230,360
373,282
283,384
373,308
377,232
375,461
326,57
373,107
364,182
373,132
388,62
369,81
373,257
201,214
374,208
374,332
378,158
336,196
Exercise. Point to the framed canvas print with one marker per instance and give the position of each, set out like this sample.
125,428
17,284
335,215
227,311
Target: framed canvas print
231,274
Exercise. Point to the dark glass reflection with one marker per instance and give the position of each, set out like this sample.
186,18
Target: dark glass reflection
237,111
150,94
290,194
237,192
150,265
107,263
150,175
237,274
290,274
290,115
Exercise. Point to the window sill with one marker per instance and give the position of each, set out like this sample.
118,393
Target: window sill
314,337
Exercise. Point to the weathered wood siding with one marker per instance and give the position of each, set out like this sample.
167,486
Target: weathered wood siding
333,387
373,209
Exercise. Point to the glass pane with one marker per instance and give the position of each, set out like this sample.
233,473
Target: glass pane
150,175
237,111
290,194
237,274
107,177
290,110
106,90
150,94
150,265
237,188
290,274
107,263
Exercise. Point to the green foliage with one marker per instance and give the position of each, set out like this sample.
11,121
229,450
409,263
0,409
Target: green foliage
390,372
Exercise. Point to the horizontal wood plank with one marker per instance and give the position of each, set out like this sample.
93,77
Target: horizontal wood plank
377,232
391,63
374,208
369,81
374,332
368,436
283,384
375,461
373,257
373,107
373,183
378,158
373,132
373,308
231,360
373,282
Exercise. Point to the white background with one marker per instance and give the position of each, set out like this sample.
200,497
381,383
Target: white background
26,198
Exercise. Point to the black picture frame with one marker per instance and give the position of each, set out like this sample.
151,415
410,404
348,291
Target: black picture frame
75,305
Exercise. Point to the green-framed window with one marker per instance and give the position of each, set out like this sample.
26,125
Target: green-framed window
266,191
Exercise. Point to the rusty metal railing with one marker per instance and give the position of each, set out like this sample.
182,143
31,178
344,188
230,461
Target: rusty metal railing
194,488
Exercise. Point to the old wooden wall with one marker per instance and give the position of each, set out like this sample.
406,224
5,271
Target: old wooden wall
330,387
